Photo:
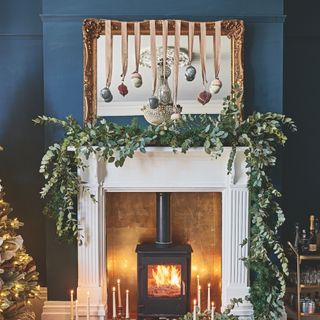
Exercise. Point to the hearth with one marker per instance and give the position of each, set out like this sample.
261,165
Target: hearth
164,270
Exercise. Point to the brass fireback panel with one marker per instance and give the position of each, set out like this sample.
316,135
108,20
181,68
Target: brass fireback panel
196,219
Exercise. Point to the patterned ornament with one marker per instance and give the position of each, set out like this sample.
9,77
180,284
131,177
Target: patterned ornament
204,97
106,94
153,102
175,116
190,73
123,90
167,72
215,86
136,79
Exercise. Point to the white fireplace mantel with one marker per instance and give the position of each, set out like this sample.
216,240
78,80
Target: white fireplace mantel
159,169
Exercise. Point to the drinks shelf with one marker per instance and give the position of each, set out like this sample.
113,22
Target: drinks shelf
299,287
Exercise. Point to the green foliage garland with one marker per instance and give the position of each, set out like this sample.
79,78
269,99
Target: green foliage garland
259,133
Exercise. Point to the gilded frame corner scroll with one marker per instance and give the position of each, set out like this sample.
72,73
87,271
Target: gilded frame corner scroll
93,28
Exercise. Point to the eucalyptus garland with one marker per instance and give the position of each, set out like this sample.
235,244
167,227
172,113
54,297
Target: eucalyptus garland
259,133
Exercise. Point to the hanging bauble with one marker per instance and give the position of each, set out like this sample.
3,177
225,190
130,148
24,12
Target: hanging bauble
175,116
204,97
123,90
190,73
215,86
106,94
136,79
153,102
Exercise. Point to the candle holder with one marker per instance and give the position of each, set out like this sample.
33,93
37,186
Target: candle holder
120,312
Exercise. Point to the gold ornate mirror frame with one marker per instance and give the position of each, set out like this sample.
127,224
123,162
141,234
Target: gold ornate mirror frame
94,28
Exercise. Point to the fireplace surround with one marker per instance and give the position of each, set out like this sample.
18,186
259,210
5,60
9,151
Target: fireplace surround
159,170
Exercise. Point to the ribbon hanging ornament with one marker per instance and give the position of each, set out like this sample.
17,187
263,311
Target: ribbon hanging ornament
204,96
136,77
105,92
164,92
166,71
176,115
123,90
191,71
216,83
153,100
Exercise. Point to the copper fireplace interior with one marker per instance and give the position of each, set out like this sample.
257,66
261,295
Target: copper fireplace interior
196,220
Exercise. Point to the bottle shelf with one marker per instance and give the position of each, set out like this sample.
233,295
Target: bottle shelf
309,286
310,314
309,257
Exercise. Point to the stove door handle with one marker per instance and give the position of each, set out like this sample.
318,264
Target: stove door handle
183,288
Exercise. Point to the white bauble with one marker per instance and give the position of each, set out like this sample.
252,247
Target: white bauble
215,86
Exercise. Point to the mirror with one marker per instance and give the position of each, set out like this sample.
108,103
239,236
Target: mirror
231,71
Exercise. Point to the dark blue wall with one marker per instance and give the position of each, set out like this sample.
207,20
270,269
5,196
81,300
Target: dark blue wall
63,69
21,94
301,102
21,99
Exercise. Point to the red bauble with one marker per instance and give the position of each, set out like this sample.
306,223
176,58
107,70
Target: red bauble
204,97
123,90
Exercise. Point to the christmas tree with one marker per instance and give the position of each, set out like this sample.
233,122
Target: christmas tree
18,275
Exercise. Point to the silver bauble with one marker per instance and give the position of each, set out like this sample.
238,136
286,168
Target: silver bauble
190,73
106,94
153,102
215,86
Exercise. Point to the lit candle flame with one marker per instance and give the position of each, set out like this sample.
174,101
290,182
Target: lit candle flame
195,302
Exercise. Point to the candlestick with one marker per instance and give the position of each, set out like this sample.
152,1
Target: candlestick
119,294
212,310
199,299
77,314
194,309
127,305
198,281
71,305
208,297
114,312
88,305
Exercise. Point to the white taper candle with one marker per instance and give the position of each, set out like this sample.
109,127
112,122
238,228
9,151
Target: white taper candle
114,311
71,305
212,310
199,299
209,297
77,313
194,309
127,305
88,305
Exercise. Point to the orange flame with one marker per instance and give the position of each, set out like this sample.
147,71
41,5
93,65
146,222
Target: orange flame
167,275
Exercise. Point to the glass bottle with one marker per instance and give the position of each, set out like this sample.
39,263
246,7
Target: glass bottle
304,242
312,248
297,237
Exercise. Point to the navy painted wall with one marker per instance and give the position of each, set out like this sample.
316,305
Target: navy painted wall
62,42
21,99
301,102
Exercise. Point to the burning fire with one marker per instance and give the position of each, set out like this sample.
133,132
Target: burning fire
167,275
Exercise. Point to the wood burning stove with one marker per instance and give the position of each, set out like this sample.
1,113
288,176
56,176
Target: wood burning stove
164,270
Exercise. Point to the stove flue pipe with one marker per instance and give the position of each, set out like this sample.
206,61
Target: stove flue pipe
164,233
